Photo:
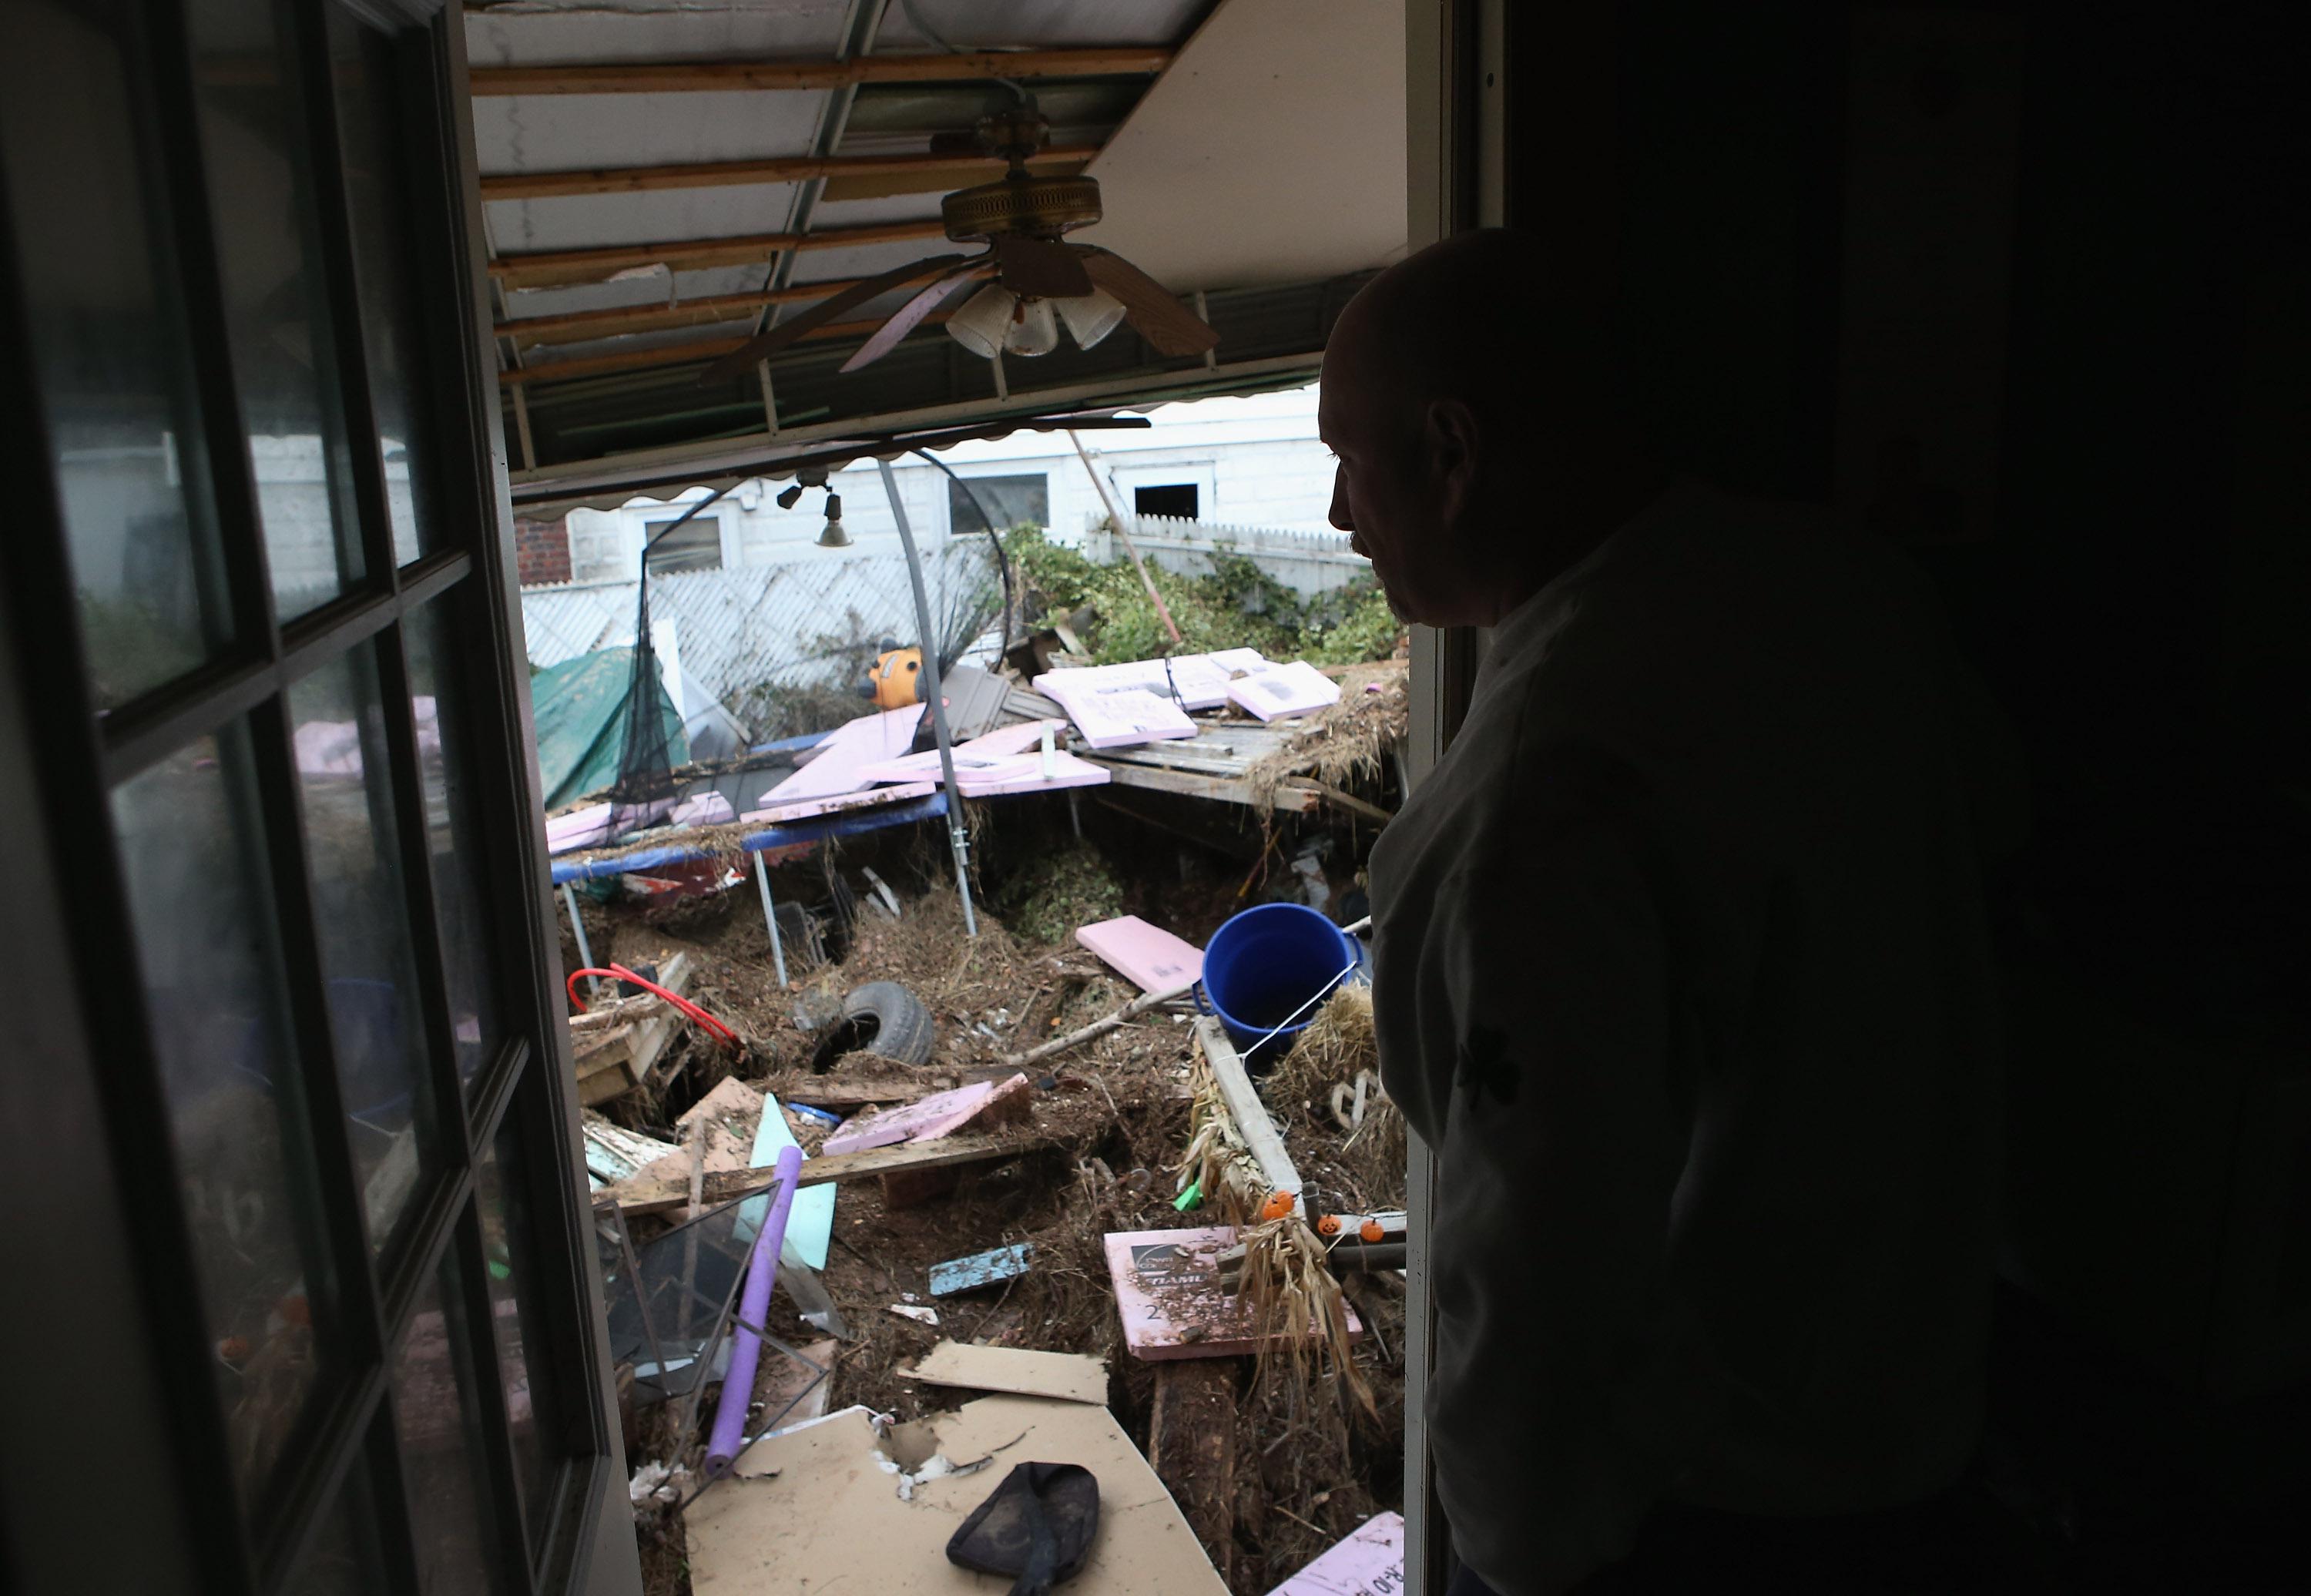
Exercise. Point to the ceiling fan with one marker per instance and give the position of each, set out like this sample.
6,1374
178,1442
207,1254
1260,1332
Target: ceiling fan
1034,282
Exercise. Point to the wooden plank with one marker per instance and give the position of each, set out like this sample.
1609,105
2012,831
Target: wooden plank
1191,1443
1250,1115
967,168
600,264
1287,801
675,354
664,1196
722,77
608,1063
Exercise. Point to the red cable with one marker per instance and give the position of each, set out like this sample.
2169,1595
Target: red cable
620,972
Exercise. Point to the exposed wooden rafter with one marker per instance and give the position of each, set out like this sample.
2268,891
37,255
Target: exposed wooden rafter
573,325
693,77
674,354
561,267
779,169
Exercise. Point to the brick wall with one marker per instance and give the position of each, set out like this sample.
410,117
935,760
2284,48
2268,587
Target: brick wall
541,550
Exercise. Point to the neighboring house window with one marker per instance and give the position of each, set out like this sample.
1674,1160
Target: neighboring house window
696,544
1008,501
1179,499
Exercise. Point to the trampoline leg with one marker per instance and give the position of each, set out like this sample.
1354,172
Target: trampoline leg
770,916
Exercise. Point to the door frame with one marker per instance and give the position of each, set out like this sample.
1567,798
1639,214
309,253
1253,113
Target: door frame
125,1393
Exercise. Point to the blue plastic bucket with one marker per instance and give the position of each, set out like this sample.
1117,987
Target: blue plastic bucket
1262,968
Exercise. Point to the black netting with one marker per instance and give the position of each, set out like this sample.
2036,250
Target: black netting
645,785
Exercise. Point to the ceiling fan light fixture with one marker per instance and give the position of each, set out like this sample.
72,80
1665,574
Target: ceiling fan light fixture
1035,329
1091,317
984,321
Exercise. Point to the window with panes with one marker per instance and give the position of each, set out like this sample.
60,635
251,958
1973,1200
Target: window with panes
237,242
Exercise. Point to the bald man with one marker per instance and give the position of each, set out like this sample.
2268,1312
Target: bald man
1680,972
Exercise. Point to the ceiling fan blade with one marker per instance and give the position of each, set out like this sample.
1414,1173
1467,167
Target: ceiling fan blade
1153,310
741,360
1039,269
911,315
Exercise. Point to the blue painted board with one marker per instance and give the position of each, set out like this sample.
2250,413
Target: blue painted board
981,1268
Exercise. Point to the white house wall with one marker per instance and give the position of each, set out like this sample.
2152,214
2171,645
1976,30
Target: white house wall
1255,461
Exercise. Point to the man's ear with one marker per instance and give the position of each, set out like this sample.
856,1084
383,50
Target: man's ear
1450,441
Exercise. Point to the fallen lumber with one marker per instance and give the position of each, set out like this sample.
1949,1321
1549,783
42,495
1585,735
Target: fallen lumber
1260,1134
1097,1028
624,1057
639,1196
1192,1445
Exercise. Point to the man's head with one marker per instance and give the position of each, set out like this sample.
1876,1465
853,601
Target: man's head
1478,446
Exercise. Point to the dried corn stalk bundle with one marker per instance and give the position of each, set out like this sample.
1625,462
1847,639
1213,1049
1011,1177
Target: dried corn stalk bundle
1285,1286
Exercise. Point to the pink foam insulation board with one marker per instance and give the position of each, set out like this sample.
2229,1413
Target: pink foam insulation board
813,808
1150,957
1066,771
1369,1563
1195,681
1120,716
1293,689
999,749
833,770
708,808
1167,1288
942,1113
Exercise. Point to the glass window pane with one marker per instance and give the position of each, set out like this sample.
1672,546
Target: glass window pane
345,1558
190,839
432,1417
361,914
106,325
437,687
375,143
253,146
509,1243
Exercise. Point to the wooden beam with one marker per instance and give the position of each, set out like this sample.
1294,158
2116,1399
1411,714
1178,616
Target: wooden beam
696,77
702,311
1191,1446
562,267
674,354
1225,790
1260,1137
624,1054
639,1196
780,168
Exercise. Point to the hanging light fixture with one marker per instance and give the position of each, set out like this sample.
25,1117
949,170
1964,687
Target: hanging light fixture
831,536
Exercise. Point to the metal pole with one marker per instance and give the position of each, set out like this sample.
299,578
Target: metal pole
585,953
1115,519
956,838
770,917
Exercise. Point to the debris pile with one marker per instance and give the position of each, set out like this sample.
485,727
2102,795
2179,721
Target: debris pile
1045,1242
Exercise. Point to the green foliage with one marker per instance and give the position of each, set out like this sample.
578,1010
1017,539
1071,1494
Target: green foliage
1238,606
1058,890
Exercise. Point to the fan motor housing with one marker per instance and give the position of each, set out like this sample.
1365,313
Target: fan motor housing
1037,206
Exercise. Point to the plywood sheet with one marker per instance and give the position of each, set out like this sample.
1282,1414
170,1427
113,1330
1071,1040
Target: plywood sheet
1064,1376
814,1512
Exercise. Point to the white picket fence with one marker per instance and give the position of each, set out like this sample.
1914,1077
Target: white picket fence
1308,561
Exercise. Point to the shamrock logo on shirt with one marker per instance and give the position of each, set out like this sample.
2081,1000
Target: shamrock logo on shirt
1483,1068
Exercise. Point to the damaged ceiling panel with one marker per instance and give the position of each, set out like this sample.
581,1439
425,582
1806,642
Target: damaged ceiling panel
665,179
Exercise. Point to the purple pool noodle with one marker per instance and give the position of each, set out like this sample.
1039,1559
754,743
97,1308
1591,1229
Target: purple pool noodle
754,1303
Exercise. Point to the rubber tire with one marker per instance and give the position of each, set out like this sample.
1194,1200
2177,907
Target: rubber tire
893,1021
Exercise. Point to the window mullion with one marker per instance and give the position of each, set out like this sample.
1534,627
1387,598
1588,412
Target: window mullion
332,213
347,1313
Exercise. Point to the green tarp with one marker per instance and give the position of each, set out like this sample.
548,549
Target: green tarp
579,706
